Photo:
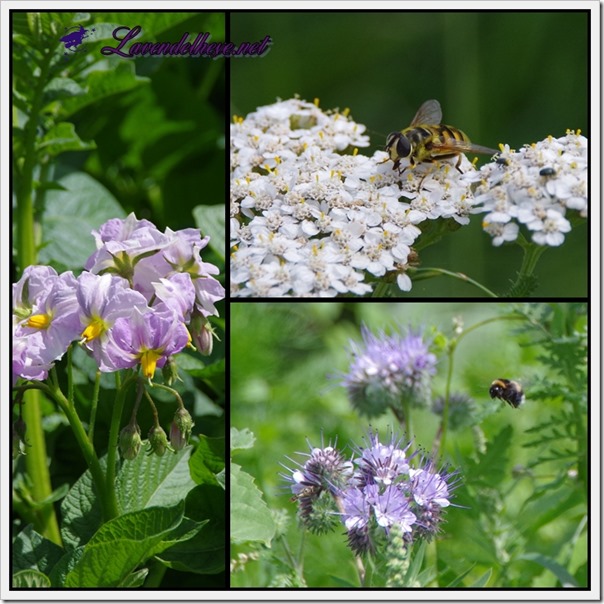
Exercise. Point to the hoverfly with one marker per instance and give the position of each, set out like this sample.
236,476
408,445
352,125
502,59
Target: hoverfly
426,139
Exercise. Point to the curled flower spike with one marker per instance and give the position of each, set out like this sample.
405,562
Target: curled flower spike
384,491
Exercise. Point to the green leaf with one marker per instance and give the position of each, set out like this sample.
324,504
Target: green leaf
81,512
64,566
123,544
135,579
491,468
204,552
208,372
208,460
241,439
60,88
149,480
211,221
101,85
31,551
251,520
565,578
482,580
411,576
69,217
60,138
31,579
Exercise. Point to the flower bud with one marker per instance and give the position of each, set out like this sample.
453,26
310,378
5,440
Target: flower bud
180,430
170,371
202,334
158,441
130,441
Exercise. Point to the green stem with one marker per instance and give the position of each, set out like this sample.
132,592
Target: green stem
407,411
445,420
94,405
532,253
526,282
37,467
85,445
425,273
381,290
35,461
112,447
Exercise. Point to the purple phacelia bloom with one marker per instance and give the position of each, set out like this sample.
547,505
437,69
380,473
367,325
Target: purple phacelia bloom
380,463
382,489
385,369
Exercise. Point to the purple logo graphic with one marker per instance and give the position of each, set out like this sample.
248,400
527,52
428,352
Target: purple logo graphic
74,39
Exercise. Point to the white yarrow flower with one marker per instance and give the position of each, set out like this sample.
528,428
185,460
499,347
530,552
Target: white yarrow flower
310,217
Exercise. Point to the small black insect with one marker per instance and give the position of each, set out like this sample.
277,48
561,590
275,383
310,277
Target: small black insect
547,171
507,390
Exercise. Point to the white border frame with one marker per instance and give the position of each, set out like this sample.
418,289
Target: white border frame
595,304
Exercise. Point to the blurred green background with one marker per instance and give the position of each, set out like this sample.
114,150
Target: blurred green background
287,360
501,77
160,145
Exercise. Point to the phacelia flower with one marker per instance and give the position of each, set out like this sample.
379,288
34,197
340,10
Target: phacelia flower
382,491
384,369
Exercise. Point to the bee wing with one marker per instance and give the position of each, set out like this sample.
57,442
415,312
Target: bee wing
429,113
457,146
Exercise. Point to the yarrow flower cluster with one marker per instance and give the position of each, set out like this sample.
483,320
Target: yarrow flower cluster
382,488
311,217
538,187
309,220
386,369
131,306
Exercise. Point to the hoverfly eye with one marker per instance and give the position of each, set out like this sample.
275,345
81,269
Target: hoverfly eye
403,146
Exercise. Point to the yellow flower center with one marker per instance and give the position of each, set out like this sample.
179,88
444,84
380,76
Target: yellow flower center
149,361
95,328
39,321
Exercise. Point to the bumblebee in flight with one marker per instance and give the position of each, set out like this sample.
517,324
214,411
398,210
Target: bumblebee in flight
507,390
426,139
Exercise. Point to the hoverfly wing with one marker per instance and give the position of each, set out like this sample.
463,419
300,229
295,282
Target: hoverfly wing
460,146
429,113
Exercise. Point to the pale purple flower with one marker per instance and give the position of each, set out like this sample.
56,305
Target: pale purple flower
391,507
146,338
103,299
177,293
28,361
51,325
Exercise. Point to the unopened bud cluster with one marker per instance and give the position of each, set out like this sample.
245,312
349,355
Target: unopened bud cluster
130,442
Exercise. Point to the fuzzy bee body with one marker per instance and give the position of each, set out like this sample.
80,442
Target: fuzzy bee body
507,390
